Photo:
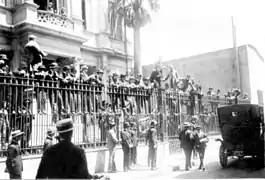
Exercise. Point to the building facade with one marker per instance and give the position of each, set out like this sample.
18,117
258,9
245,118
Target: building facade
218,69
80,31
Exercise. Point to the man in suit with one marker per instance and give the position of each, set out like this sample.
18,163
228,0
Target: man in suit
186,143
126,145
111,143
135,143
35,53
49,140
64,160
201,140
152,140
14,163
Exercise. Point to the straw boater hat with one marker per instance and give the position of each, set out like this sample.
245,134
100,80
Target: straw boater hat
65,125
16,133
186,124
3,57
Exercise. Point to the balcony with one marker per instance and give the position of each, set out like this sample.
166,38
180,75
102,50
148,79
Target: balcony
54,19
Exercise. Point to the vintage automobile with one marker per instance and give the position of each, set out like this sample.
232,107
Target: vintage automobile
242,130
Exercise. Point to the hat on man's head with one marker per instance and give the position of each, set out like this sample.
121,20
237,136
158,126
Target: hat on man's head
115,74
198,127
65,125
194,118
100,71
111,122
32,37
186,124
132,78
153,123
84,68
50,132
122,75
54,65
3,57
126,125
133,124
66,68
41,67
16,133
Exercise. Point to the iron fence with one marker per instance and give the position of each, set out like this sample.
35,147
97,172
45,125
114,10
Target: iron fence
33,106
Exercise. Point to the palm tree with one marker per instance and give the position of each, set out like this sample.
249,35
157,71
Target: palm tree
136,14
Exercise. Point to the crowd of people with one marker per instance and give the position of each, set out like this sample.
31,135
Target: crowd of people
66,160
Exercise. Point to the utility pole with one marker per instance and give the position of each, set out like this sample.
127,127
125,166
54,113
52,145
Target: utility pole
237,65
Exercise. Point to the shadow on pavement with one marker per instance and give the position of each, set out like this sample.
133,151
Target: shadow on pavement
236,169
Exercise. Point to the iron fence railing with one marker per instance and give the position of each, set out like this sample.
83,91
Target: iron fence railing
33,106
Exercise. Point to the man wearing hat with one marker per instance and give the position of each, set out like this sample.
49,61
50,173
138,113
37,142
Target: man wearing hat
14,163
134,138
201,140
193,125
186,142
35,52
126,144
49,140
41,94
111,143
64,160
151,139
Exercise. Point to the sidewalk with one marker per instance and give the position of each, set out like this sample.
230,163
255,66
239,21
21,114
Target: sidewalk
143,172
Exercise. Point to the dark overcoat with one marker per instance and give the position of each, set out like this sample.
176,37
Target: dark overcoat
14,159
63,161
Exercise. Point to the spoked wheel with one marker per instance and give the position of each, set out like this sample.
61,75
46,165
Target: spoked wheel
222,157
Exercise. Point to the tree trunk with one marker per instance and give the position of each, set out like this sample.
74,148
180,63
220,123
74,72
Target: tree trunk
137,51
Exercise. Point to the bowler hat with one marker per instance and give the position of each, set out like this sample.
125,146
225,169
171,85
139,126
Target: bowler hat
133,124
16,133
186,124
3,57
64,125
126,125
41,67
54,65
115,74
65,68
50,132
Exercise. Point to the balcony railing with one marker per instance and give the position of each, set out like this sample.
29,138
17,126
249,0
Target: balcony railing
33,106
55,19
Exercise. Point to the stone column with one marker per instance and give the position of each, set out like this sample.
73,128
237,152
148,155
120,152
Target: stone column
25,12
76,15
104,66
103,22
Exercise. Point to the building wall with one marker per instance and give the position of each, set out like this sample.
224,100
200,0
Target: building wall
217,69
211,69
257,73
88,43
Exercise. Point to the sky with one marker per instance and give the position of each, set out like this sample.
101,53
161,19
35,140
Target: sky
188,27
